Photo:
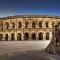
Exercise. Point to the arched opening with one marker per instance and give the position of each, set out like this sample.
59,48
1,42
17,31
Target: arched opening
47,24
19,36
26,24
13,25
19,24
6,37
26,36
12,37
40,36
33,24
33,36
53,23
40,24
7,25
1,25
1,37
47,36
59,23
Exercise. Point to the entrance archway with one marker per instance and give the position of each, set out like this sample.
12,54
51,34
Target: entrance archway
19,24
33,24
7,25
40,36
47,36
26,36
1,37
12,37
19,36
6,37
33,36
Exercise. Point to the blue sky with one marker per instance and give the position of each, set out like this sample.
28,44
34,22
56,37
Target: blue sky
29,7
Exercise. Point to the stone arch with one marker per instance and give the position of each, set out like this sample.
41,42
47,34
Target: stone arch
59,23
26,24
33,24
19,24
47,24
1,25
12,37
33,36
6,37
7,25
47,36
26,36
40,36
13,25
1,37
53,23
40,24
19,36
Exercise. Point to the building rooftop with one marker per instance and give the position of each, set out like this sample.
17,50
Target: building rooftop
29,16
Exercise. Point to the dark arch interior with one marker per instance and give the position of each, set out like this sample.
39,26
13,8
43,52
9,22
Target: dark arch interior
13,25
7,25
19,36
12,37
33,36
26,36
1,37
26,24
40,24
6,37
47,36
53,24
20,24
33,24
40,36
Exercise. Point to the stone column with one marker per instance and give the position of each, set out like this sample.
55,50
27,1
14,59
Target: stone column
23,24
15,36
29,24
22,36
43,24
3,36
50,35
44,35
9,36
37,24
4,25
37,37
16,24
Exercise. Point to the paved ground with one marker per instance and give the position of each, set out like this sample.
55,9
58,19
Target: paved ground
25,50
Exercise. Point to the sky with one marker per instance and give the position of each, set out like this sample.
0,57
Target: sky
29,7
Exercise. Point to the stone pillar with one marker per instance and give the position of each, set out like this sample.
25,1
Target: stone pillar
3,36
3,25
23,24
9,26
37,37
30,36
37,24
9,36
22,36
15,36
16,24
44,35
43,25
50,35
29,24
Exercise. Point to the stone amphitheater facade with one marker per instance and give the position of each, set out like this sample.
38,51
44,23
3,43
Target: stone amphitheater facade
21,28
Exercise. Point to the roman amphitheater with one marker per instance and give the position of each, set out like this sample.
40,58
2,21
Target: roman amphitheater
21,28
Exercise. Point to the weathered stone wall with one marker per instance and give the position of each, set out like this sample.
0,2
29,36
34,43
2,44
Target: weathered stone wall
29,29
